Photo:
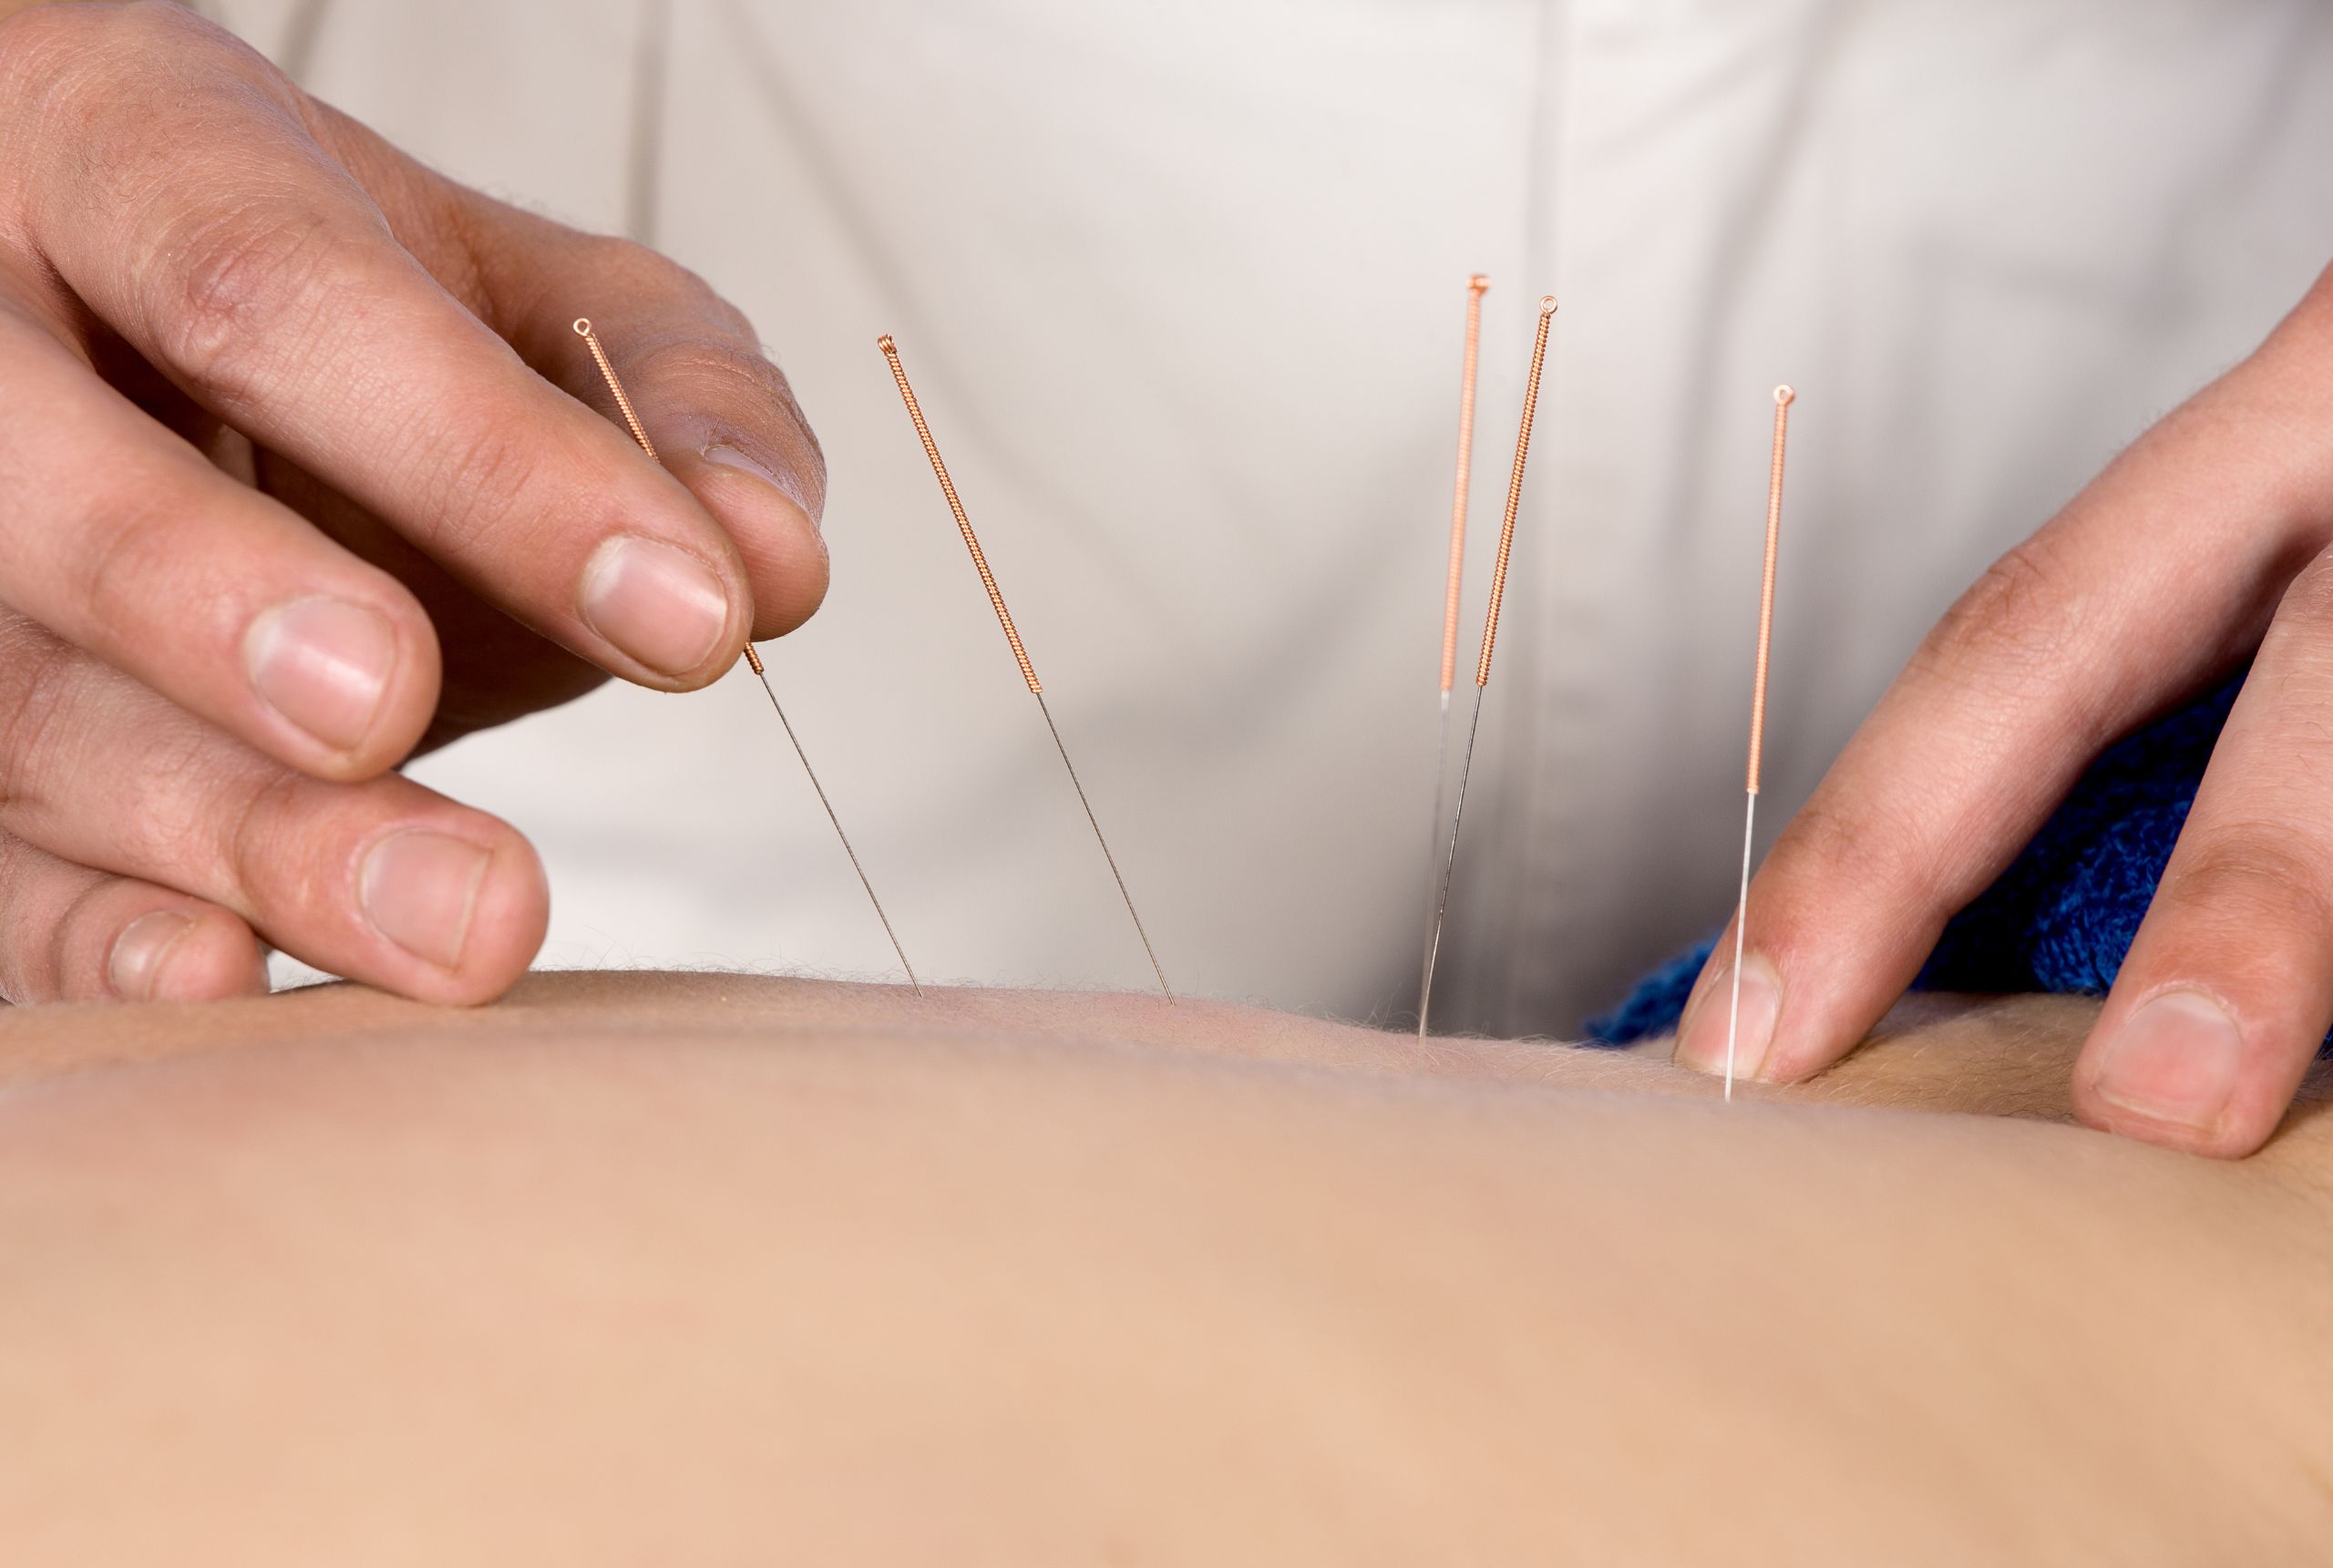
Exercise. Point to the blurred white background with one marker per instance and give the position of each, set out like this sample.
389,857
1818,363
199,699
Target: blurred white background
1181,288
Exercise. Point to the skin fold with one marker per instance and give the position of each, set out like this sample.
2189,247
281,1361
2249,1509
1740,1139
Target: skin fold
721,1267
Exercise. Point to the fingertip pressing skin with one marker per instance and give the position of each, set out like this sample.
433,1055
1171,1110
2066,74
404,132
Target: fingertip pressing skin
2171,1069
379,881
2217,1012
1710,1020
2225,994
2192,1069
178,955
1979,737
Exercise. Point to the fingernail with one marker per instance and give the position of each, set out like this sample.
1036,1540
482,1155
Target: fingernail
2173,1060
417,889
322,663
1703,1046
663,608
139,952
736,458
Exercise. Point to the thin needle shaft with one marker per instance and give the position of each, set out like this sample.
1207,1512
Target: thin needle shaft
1013,637
1740,908
1477,286
1105,843
1490,639
1782,397
1442,903
753,659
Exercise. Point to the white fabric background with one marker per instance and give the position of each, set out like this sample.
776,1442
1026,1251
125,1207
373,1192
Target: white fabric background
1181,288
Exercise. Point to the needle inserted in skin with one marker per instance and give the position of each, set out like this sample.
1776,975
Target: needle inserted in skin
1782,397
1490,637
754,661
1020,654
1477,286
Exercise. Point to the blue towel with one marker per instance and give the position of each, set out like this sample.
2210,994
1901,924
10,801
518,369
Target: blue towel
2062,915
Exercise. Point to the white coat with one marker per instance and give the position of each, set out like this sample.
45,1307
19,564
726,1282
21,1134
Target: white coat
1182,289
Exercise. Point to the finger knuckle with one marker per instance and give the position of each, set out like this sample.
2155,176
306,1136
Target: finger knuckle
81,928
29,961
2308,597
705,375
130,545
744,388
2244,874
2024,615
646,274
262,856
245,276
165,830
1843,844
644,271
40,685
482,476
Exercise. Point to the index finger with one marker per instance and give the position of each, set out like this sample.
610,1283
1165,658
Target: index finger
2155,579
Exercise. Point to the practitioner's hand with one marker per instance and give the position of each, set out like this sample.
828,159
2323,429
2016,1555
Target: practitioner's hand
302,470
2211,531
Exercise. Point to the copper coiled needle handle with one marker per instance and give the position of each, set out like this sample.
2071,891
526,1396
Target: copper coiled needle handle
1514,487
1783,398
956,506
1490,636
615,385
1477,286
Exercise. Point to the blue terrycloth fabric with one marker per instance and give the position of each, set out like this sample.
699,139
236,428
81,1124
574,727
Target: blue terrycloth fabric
2062,915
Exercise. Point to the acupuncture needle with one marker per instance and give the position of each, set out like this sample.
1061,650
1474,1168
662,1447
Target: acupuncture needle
1783,396
1020,654
754,661
1477,286
1490,637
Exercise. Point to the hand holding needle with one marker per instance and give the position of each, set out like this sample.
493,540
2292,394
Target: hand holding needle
754,661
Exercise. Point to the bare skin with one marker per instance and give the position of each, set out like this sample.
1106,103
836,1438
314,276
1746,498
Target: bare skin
718,1268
